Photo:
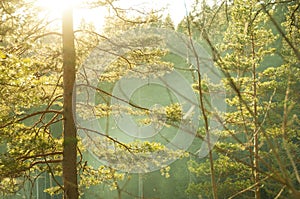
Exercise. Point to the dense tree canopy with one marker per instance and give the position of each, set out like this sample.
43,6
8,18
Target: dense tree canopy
252,153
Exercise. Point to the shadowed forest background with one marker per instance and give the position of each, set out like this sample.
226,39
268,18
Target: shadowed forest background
46,153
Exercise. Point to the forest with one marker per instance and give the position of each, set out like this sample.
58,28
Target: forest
121,99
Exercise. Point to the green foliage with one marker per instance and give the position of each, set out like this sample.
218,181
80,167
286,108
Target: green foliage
260,97
174,113
103,174
232,177
143,63
143,155
26,85
261,79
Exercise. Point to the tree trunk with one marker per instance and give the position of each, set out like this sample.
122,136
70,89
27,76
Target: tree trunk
256,126
69,135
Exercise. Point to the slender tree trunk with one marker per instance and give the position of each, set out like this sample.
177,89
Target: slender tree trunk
69,135
207,131
255,138
204,114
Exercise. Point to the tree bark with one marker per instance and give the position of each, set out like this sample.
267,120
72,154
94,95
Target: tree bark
69,134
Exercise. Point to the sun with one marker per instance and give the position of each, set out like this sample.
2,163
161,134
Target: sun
53,9
57,6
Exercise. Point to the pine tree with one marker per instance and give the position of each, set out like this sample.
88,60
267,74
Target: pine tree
257,92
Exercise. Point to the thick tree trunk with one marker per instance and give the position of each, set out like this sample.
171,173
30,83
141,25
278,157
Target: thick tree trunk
70,140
